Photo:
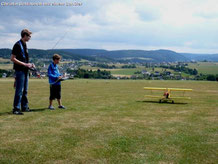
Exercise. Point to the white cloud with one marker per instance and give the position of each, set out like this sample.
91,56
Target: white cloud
184,25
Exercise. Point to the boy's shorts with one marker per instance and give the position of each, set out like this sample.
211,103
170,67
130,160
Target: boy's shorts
55,92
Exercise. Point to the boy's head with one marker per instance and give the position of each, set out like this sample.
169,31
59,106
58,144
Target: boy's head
56,58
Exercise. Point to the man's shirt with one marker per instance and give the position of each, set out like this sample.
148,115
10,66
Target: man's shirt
21,52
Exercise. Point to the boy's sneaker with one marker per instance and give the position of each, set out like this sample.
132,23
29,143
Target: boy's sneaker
51,108
16,112
61,107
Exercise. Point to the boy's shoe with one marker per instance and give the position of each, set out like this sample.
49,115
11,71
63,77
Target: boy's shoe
51,108
16,112
61,107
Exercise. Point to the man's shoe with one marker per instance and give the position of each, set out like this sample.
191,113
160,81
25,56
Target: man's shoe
61,107
26,110
51,108
17,112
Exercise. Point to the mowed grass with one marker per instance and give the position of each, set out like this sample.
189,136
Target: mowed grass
109,121
205,67
126,71
6,66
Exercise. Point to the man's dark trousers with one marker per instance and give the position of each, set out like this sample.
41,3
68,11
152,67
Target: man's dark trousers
20,98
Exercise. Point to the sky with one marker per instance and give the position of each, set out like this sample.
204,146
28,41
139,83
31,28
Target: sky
189,26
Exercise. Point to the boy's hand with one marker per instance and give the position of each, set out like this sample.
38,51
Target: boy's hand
60,77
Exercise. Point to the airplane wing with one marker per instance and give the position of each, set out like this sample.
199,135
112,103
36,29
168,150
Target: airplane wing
163,97
171,89
154,88
179,89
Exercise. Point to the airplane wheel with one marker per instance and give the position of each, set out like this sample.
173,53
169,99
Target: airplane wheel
172,102
159,101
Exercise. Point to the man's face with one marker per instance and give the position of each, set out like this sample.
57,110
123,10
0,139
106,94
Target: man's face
27,37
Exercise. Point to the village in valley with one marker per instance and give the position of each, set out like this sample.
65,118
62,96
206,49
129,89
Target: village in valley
96,70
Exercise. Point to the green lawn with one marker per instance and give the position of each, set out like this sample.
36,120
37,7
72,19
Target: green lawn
4,60
129,71
205,67
110,121
126,71
6,66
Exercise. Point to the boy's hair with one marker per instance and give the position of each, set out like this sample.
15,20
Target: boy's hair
56,56
25,32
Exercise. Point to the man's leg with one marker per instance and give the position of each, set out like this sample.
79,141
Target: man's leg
19,90
24,100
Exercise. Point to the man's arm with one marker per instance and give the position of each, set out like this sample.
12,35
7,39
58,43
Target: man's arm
14,60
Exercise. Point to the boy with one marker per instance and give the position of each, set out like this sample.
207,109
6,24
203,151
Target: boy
55,82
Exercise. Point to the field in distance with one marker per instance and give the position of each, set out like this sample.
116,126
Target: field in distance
205,67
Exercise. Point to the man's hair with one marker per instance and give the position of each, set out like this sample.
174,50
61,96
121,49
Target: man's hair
56,56
25,32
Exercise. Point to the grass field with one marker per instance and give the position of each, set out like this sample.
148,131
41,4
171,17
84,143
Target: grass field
109,121
6,66
128,72
205,67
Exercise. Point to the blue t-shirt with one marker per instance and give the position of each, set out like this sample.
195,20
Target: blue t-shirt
53,74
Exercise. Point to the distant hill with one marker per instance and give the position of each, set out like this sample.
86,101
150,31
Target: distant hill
141,56
130,55
201,57
47,54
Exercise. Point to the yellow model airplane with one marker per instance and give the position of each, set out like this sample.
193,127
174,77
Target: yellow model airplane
167,94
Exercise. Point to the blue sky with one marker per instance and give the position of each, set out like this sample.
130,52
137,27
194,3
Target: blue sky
178,25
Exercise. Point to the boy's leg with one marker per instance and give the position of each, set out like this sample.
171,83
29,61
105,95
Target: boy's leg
50,102
51,98
59,97
59,102
50,105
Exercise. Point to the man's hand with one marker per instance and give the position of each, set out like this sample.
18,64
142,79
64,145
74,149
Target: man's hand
33,65
29,65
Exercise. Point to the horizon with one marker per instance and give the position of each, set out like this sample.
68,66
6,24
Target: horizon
118,50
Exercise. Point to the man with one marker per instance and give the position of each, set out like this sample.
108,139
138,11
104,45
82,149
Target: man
20,58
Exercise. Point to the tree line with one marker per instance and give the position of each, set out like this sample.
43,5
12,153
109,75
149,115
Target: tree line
90,74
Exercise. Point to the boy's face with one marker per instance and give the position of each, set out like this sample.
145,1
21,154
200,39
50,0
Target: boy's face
57,61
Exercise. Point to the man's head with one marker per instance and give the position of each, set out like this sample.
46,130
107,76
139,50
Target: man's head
26,35
56,58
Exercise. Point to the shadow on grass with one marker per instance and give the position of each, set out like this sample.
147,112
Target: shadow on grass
6,113
157,102
38,110
31,110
